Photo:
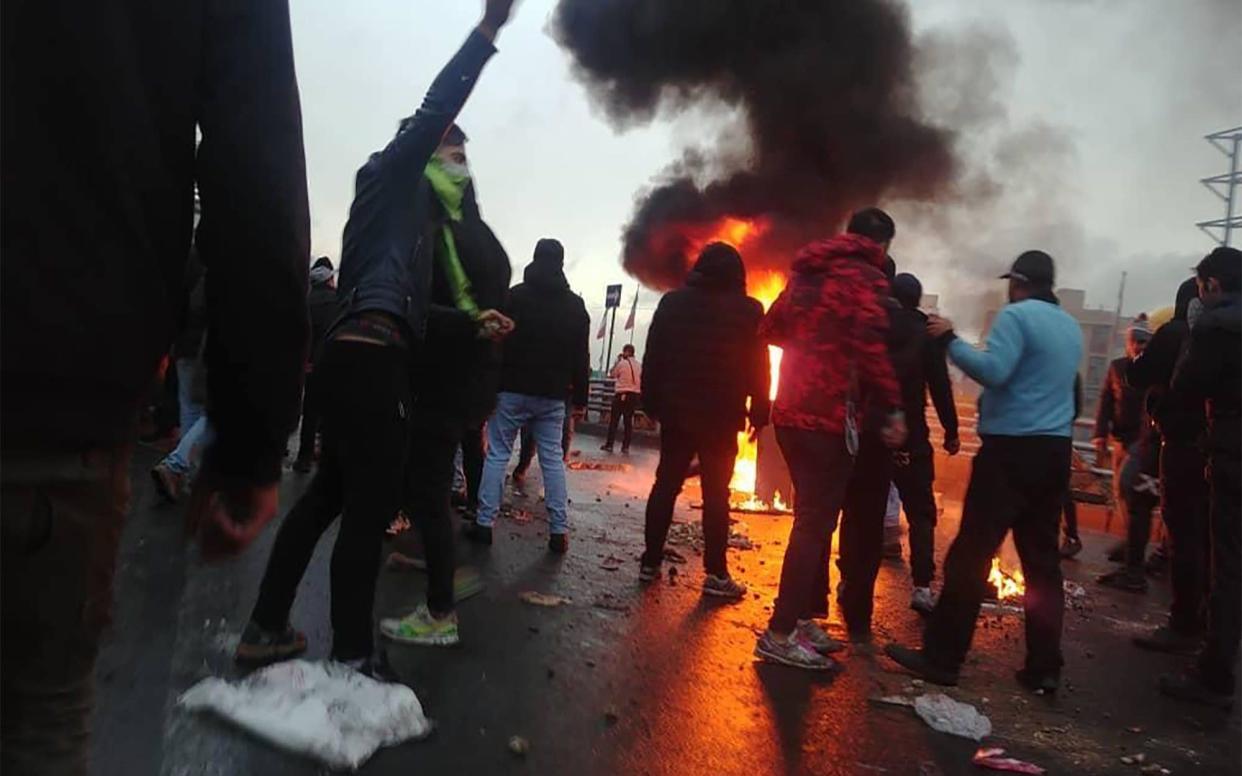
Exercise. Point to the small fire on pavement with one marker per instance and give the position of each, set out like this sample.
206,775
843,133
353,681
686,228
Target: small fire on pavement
1008,585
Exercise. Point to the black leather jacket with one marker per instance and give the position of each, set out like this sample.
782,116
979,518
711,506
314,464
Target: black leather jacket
386,255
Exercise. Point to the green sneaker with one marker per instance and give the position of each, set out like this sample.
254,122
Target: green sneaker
419,627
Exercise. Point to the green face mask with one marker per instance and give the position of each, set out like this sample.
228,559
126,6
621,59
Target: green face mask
449,186
449,182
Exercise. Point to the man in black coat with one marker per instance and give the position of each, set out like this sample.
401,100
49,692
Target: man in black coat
1181,423
102,108
322,304
704,361
1212,372
366,373
545,359
921,369
456,383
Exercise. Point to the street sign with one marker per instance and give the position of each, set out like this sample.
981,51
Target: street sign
613,297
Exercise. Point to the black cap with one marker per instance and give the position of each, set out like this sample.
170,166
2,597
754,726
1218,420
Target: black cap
1034,267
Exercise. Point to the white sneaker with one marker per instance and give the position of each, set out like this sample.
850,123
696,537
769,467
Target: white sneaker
923,601
816,637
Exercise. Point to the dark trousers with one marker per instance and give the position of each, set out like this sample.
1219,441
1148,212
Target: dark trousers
61,519
472,463
1224,631
1184,490
860,549
914,472
1142,461
365,392
1016,483
1069,512
623,407
310,420
429,486
716,449
820,467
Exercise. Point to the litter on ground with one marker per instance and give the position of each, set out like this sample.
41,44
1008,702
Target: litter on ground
994,759
946,715
543,599
324,710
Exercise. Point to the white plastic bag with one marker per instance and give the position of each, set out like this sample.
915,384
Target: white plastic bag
946,715
321,709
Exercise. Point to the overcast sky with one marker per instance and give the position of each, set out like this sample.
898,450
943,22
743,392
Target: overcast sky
1104,106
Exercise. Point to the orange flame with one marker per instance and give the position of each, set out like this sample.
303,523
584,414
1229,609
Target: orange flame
1009,585
764,286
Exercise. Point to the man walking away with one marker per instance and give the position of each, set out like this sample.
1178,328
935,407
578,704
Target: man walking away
921,368
364,374
832,324
322,304
705,334
99,110
1018,480
1181,423
627,375
458,372
546,358
1212,371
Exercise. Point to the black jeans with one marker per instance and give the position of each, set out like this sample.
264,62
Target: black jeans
820,467
716,449
860,549
62,518
1142,462
1220,651
1184,490
472,463
365,392
310,420
914,472
1016,483
1069,511
623,407
429,485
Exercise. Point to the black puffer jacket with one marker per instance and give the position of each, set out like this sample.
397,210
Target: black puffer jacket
1120,414
548,353
1212,372
919,362
458,373
704,357
1178,416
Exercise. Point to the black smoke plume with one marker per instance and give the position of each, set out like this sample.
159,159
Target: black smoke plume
825,92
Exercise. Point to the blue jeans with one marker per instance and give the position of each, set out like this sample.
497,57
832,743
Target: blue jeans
189,450
190,410
545,417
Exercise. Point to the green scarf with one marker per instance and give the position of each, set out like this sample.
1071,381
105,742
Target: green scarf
450,189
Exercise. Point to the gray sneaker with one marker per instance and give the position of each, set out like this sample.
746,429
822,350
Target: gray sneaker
818,638
724,587
794,651
923,601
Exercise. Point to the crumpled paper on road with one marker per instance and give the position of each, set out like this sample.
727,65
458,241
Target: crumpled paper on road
946,715
324,710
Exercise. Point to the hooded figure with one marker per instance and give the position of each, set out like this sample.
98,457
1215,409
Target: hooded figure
704,360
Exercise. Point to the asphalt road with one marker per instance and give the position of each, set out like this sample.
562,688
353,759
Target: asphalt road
633,680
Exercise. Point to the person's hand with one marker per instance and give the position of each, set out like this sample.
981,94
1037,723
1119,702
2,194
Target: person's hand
753,433
938,327
496,14
494,325
225,520
578,413
894,431
952,445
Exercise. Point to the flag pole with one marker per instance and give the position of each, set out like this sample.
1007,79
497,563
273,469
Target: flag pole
633,322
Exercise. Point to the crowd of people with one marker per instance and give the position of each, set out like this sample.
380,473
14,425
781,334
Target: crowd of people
418,354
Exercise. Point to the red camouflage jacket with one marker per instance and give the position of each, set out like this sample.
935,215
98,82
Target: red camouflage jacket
828,319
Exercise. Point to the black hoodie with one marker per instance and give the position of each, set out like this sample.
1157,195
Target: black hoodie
1178,416
704,357
1212,371
548,352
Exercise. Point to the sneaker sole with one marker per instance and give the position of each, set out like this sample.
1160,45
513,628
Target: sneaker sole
724,594
775,657
265,655
423,641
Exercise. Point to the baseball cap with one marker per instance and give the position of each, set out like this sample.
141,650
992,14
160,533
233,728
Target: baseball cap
1033,267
